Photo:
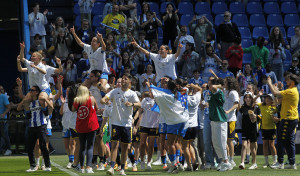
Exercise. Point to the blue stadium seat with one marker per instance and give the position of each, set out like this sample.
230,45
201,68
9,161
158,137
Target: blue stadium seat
185,8
219,19
282,31
101,31
247,58
271,8
154,7
246,43
202,8
260,31
288,58
290,32
76,9
160,33
54,12
245,32
219,8
97,20
209,17
163,7
98,8
288,7
138,9
274,20
269,0
254,8
254,1
185,19
291,20
78,21
236,7
240,20
257,20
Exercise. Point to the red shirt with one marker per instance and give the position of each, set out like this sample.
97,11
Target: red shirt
87,120
235,60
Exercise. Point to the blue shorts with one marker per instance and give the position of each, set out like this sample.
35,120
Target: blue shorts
66,133
177,129
48,91
124,134
104,76
162,129
49,132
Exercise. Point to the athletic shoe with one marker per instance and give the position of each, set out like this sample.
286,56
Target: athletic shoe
266,165
277,166
43,167
149,167
165,167
32,169
48,169
176,170
219,166
246,161
89,170
189,169
242,166
289,166
207,166
94,166
157,162
129,164
122,172
134,168
232,163
69,165
100,166
180,167
77,168
172,168
143,165
195,166
110,171
7,152
253,166
225,167
185,165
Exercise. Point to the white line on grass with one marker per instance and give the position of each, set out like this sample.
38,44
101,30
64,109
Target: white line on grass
63,169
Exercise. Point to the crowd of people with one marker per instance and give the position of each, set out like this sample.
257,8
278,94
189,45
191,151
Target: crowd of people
120,89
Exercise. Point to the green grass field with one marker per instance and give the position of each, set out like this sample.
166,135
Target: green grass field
16,166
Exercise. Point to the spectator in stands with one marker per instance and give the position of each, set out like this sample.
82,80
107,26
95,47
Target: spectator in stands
86,7
113,52
83,65
128,7
37,22
151,26
125,45
59,23
276,35
234,54
190,61
113,19
259,72
259,52
4,109
224,73
277,55
246,78
147,76
86,34
37,44
199,31
133,26
145,10
295,42
123,33
109,62
183,38
210,62
294,67
170,32
108,7
125,60
70,71
271,74
145,44
62,43
227,32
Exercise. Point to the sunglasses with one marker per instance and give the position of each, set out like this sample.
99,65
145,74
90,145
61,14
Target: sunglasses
32,90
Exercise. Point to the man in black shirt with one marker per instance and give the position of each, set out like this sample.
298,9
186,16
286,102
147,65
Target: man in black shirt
294,68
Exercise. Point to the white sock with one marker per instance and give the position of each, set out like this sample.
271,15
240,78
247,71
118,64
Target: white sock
43,162
266,160
37,161
158,155
275,158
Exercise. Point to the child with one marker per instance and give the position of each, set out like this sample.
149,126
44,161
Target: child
196,79
264,86
109,62
83,65
259,71
271,74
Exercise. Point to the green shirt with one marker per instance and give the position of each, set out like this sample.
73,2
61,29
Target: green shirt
257,53
216,111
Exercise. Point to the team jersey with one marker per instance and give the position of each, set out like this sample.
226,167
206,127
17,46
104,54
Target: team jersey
216,101
267,113
223,75
150,118
196,81
206,97
193,104
210,63
37,116
35,77
289,105
96,58
230,99
69,117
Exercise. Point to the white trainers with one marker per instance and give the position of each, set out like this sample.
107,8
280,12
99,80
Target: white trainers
232,163
32,169
219,166
266,165
277,166
288,166
242,166
157,162
143,165
89,171
69,165
100,166
122,172
110,171
253,166
149,167
7,152
43,167
225,167
47,169
172,168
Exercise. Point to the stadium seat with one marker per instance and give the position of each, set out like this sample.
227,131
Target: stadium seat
101,31
274,20
185,8
51,3
254,1
247,58
271,8
154,7
202,8
97,20
185,19
76,9
163,7
98,8
138,9
219,8
290,32
54,12
257,20
236,7
240,20
246,43
160,33
269,0
245,32
288,58
260,31
78,21
288,7
254,8
291,20
219,19
282,31
209,17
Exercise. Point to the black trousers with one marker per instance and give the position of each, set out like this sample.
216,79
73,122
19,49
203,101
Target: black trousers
35,133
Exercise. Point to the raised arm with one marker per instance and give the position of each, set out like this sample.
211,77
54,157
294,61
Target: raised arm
143,50
178,50
39,69
59,69
99,36
59,82
22,48
19,66
78,41
20,91
273,89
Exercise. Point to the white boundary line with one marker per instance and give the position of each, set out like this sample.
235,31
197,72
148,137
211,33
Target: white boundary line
63,169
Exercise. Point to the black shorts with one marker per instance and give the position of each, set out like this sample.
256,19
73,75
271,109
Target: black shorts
74,133
149,131
268,134
136,137
120,133
190,134
231,130
252,136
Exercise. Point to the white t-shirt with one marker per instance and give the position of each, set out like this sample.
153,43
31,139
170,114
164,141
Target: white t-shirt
35,77
108,110
95,92
150,118
142,79
97,58
230,99
193,104
69,117
164,67
50,71
122,114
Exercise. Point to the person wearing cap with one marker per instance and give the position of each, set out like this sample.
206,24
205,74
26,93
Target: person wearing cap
289,119
183,38
294,67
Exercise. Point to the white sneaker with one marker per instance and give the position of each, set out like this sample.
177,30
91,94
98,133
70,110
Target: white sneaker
277,166
122,172
266,165
89,170
253,166
242,166
7,152
129,164
32,169
100,166
232,163
143,165
69,165
290,166
48,169
219,166
149,167
172,168
43,167
225,167
207,166
77,168
157,162
82,171
185,165
110,171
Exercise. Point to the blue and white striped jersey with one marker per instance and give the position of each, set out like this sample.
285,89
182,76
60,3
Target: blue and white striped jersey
37,116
